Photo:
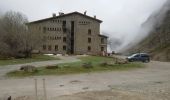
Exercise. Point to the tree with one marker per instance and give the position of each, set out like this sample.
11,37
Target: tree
15,38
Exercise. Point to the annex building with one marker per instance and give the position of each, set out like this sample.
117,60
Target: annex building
72,33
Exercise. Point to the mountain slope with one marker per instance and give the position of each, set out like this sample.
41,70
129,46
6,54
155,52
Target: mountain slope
157,43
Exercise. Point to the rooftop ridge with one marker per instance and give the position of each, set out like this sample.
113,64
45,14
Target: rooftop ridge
63,15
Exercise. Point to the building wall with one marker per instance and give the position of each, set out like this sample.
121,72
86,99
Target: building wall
53,35
81,42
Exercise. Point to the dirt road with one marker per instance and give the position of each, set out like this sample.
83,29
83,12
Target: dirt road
150,83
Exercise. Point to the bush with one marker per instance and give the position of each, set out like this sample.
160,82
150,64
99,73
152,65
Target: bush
103,64
52,67
87,65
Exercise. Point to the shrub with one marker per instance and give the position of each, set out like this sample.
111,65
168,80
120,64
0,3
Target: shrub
103,64
87,65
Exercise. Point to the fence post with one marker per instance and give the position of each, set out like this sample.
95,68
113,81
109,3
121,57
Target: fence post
36,94
44,88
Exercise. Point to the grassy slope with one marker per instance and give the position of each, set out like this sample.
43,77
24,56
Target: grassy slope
27,60
73,68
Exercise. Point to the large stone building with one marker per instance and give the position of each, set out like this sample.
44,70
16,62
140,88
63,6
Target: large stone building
72,33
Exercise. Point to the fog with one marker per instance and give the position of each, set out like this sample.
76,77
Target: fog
122,19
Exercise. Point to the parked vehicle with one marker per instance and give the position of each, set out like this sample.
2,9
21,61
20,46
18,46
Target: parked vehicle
144,57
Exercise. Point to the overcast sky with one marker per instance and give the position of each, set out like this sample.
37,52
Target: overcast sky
121,18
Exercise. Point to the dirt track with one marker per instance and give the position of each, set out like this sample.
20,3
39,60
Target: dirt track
150,83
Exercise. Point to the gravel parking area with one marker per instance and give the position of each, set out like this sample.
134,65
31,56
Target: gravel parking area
150,83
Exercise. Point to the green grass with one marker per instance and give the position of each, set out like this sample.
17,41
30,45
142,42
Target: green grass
76,68
34,58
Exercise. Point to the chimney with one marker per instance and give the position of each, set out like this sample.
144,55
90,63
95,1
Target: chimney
54,14
61,13
85,12
95,16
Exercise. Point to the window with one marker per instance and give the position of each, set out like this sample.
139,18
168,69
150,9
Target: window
89,32
64,29
39,27
56,47
89,48
102,48
58,37
64,23
102,40
64,47
89,40
137,55
44,29
64,26
44,47
64,39
144,55
49,48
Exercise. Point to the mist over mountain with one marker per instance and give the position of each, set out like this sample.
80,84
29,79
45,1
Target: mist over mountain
156,38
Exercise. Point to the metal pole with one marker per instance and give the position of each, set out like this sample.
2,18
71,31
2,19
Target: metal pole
36,94
44,87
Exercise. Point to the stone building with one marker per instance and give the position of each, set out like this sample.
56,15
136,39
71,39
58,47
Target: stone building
72,33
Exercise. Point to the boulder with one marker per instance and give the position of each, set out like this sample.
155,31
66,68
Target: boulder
52,67
121,61
28,68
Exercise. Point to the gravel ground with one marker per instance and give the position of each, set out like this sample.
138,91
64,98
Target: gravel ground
150,83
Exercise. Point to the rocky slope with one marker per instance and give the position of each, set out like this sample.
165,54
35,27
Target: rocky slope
157,43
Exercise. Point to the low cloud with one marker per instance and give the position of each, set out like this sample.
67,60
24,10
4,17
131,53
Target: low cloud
122,19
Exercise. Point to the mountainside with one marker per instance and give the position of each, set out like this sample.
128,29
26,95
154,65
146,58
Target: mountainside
157,43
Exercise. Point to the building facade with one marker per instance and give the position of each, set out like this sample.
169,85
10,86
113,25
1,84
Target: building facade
72,33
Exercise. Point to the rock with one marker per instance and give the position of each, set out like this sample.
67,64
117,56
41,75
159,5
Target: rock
52,67
121,61
75,81
85,88
28,68
61,85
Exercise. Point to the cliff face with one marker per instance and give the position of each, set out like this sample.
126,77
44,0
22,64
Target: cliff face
157,43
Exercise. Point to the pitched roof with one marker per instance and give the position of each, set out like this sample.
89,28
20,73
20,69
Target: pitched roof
68,14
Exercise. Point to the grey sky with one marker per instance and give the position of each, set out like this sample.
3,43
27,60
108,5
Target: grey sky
121,18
